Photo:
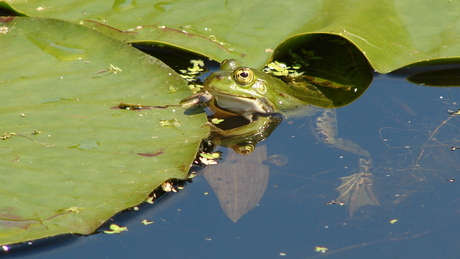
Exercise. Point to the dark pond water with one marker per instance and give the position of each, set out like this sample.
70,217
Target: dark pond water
403,126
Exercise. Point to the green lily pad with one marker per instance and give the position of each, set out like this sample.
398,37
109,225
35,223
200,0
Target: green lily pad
443,78
391,34
70,157
335,71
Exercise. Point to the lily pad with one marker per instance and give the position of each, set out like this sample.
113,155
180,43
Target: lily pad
442,78
335,72
391,34
70,157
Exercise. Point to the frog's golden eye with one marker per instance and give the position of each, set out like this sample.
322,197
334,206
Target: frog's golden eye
244,75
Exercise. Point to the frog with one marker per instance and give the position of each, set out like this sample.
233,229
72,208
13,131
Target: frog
248,92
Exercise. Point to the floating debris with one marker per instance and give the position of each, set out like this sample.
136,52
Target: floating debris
215,155
216,120
321,249
150,199
393,221
115,229
455,113
172,122
341,203
146,222
168,187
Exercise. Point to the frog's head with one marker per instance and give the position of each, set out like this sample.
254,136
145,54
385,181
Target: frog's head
236,80
239,89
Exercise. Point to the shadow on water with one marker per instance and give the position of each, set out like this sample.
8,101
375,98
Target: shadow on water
412,201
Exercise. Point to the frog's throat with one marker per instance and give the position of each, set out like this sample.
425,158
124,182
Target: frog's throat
243,105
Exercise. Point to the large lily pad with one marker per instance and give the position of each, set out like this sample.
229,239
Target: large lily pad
391,34
70,159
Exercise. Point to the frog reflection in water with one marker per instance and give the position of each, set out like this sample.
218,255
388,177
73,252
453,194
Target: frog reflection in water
247,92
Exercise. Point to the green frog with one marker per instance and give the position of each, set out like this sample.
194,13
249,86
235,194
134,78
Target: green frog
246,92
243,91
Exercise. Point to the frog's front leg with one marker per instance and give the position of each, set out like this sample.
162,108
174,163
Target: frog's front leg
198,98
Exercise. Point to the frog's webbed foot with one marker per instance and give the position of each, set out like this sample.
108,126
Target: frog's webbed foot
356,190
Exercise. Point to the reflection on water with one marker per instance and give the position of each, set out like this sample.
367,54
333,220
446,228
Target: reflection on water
240,181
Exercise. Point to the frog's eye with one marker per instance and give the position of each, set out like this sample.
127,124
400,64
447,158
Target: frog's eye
244,75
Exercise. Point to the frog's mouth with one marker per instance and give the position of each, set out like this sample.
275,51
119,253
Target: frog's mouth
243,105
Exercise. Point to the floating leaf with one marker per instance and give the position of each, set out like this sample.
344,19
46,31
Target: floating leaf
445,78
71,158
391,34
146,222
115,229
331,72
